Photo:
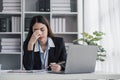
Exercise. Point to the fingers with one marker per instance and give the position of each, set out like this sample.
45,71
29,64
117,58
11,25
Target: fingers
37,34
55,67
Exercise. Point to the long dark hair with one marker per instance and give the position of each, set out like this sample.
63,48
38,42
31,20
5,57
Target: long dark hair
39,19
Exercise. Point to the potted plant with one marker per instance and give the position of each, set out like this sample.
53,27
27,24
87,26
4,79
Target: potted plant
93,39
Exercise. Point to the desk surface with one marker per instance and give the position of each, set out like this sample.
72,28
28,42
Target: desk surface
51,76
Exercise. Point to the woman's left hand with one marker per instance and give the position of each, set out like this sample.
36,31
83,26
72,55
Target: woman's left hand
55,67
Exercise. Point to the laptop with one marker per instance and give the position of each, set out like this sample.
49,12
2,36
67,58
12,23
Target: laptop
81,59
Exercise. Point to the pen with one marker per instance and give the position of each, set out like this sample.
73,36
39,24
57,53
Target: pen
62,62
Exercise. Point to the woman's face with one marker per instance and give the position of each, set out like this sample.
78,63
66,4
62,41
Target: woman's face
43,31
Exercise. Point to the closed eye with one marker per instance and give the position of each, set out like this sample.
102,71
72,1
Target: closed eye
42,29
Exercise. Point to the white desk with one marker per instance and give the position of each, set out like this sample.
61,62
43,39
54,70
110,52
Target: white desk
50,76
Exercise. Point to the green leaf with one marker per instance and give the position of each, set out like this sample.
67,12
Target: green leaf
102,55
86,35
98,33
96,39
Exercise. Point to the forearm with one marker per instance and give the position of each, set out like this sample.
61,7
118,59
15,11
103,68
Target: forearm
30,46
28,60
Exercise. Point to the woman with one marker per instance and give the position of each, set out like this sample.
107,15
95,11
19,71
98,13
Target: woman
41,49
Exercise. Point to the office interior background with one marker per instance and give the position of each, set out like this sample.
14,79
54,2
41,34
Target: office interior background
85,16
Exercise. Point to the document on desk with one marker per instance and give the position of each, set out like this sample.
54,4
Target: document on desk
27,71
20,71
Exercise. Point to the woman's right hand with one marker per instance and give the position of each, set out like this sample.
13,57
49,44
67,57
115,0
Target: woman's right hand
36,34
